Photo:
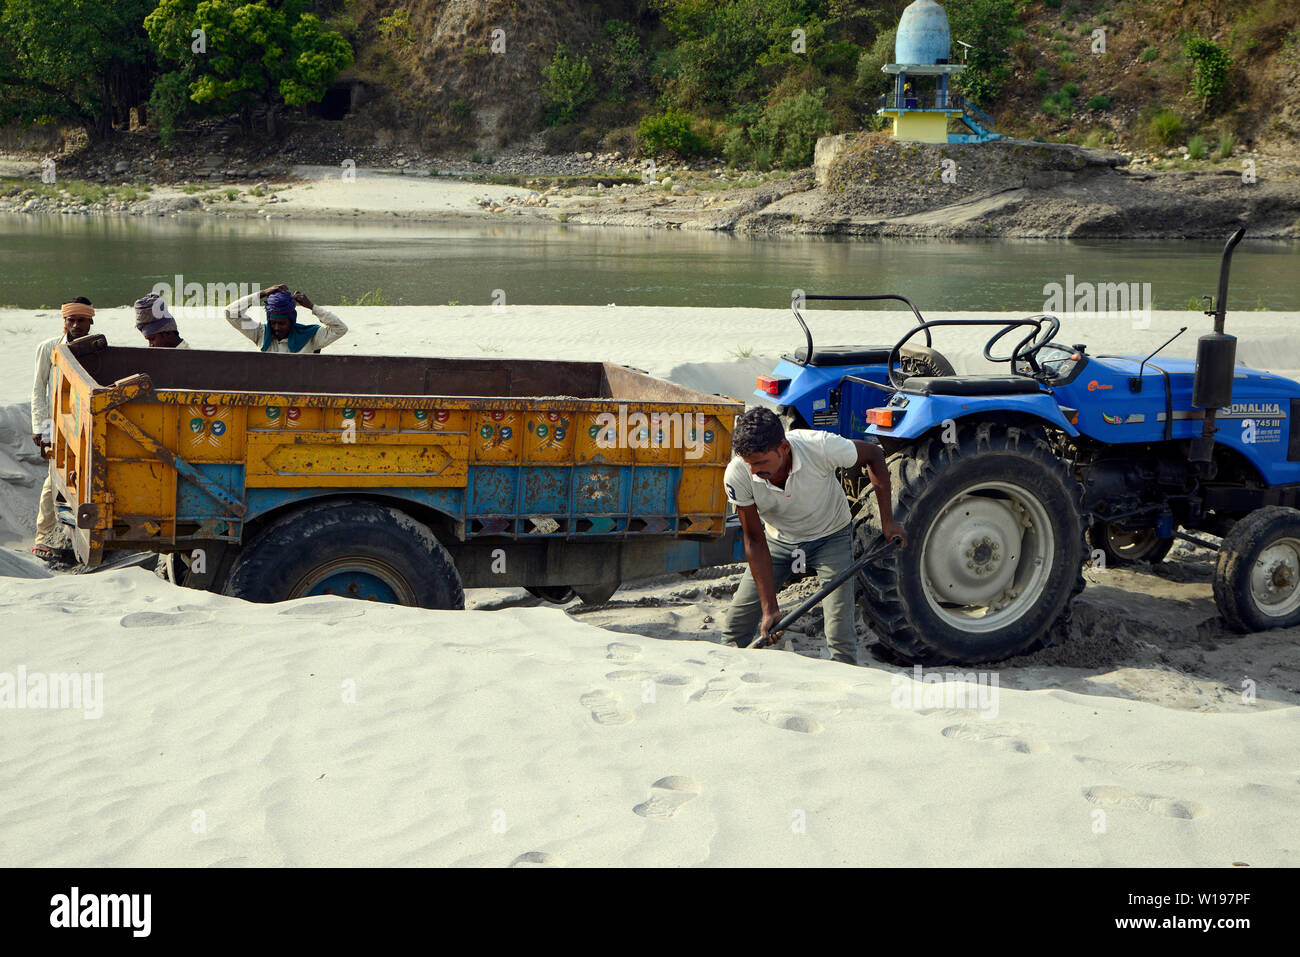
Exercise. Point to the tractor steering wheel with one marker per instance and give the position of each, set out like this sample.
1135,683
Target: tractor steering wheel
1026,350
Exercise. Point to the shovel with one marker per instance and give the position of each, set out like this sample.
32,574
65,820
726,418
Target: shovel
867,558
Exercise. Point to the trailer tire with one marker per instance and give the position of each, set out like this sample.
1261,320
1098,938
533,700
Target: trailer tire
1001,494
1257,576
353,549
554,594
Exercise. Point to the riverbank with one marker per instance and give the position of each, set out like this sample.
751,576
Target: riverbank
863,185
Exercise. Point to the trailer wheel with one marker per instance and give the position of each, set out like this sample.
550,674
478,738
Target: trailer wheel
1257,577
1124,547
354,549
555,594
995,548
597,594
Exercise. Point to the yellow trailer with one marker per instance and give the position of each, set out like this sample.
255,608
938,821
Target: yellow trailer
391,478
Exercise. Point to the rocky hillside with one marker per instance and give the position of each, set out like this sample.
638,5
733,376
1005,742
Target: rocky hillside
442,73
434,79
1066,85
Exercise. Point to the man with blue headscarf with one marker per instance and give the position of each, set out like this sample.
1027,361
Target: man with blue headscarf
282,332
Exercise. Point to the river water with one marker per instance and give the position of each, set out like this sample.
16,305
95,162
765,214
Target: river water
45,260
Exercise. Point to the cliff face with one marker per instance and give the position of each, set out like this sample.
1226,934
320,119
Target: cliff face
465,70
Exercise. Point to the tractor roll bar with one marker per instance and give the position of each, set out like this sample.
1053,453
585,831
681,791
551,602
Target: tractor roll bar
794,306
1036,322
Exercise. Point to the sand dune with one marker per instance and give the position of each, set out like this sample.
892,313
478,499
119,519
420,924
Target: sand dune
329,732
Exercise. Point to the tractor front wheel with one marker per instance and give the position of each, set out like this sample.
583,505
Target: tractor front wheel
1257,577
1120,546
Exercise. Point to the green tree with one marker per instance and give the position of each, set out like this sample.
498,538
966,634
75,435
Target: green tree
567,86
624,62
72,60
785,133
1210,66
234,55
722,49
871,79
986,25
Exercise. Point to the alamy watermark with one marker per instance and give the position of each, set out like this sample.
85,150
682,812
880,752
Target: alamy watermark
975,690
656,430
212,299
74,691
1119,300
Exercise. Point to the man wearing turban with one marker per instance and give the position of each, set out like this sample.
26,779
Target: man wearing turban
157,324
282,332
78,317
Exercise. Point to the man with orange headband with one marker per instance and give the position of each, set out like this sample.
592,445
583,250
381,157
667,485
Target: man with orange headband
78,317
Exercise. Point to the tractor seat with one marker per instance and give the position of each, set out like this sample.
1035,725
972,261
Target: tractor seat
843,355
972,385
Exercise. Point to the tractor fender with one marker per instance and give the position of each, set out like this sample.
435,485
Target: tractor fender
923,413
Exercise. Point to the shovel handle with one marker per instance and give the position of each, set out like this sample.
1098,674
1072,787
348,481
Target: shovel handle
867,558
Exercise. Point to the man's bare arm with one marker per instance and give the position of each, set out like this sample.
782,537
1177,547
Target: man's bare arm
873,457
760,565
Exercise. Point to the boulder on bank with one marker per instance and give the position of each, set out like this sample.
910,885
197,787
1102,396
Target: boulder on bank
161,207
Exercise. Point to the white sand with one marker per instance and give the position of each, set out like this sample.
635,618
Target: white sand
522,734
326,190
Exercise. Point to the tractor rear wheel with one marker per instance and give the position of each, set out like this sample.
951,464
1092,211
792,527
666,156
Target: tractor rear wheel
1257,577
995,548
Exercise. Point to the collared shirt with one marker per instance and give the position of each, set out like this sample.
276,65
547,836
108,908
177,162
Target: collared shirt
332,328
812,505
42,384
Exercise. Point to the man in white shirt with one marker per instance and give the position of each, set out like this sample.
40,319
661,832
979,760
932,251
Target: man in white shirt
786,481
157,324
282,332
78,317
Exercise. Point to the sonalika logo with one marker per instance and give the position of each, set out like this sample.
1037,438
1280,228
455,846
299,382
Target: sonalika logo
1261,409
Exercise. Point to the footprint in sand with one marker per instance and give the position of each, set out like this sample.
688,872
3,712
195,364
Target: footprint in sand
752,678
622,652
787,720
667,795
1179,768
1123,799
606,707
715,690
537,859
164,619
823,686
658,677
481,650
1006,737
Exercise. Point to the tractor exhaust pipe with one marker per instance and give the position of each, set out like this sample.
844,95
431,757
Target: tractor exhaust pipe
1216,356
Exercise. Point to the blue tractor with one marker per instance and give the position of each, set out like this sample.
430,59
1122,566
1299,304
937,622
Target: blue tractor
1009,484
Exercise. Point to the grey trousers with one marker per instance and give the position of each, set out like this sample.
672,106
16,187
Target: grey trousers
824,556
